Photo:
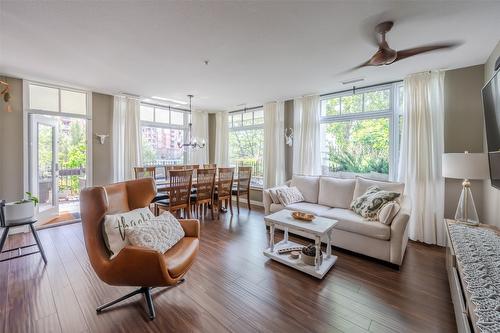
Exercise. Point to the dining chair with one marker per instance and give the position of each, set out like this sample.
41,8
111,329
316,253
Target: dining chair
133,266
145,172
179,193
242,186
224,187
209,166
204,195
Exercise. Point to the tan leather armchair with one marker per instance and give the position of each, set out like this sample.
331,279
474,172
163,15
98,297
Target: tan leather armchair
133,266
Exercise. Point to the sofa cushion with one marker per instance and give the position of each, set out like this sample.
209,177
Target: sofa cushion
273,208
336,192
289,195
352,222
362,185
273,193
371,201
308,207
388,211
308,186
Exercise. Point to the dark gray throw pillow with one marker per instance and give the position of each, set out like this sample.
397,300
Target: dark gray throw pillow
368,204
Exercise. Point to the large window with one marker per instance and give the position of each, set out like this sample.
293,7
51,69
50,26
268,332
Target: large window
360,132
162,129
246,142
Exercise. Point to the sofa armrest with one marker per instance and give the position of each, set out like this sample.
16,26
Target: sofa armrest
399,231
267,201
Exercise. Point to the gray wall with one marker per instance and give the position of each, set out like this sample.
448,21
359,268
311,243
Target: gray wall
288,149
211,137
11,143
491,203
463,128
102,123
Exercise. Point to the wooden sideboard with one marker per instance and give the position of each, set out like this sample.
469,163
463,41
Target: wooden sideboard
464,309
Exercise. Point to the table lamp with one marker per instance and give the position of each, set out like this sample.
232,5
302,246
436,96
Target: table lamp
466,166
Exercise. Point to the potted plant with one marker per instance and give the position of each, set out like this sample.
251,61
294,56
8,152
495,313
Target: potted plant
20,211
308,255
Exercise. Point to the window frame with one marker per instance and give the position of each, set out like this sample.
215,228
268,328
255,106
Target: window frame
254,126
88,100
169,125
392,114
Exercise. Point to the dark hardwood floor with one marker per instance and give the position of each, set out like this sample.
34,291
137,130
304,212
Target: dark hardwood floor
231,287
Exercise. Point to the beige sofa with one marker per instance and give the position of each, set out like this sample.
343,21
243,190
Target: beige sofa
331,197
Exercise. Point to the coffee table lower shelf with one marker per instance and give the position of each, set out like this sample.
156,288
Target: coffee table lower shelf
297,263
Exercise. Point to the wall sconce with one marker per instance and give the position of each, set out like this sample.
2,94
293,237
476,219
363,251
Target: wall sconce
101,137
289,136
6,96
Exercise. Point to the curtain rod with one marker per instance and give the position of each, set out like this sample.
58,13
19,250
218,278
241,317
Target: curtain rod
165,106
247,109
323,95
364,87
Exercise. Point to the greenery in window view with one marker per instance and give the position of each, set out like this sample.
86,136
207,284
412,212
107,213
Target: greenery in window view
72,148
359,146
246,148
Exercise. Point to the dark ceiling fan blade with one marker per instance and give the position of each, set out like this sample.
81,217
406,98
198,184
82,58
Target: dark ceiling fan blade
403,54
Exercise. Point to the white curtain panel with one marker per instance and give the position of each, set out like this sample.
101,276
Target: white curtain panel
274,144
221,139
200,132
306,145
126,137
422,146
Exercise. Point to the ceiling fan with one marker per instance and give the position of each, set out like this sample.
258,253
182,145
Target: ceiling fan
386,56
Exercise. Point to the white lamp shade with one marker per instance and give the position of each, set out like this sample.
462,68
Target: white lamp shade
465,165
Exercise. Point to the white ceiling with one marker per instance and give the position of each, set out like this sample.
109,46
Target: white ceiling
259,51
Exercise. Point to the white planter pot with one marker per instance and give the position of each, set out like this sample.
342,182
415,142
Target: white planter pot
16,213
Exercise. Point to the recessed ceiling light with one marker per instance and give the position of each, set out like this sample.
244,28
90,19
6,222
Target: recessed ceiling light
169,100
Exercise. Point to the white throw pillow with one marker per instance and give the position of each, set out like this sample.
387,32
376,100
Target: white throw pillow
388,211
362,185
115,226
336,192
290,195
308,186
273,193
159,233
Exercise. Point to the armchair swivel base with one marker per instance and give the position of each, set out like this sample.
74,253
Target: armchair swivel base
147,296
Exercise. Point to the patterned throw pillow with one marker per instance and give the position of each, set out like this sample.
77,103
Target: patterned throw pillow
273,193
115,226
368,204
290,195
159,233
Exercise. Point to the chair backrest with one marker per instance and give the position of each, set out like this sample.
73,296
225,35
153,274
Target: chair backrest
225,182
97,202
209,166
205,184
180,187
244,177
145,172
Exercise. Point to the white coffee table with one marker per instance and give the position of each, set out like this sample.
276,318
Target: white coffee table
319,227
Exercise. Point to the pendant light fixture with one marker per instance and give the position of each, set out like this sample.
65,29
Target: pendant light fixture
192,143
